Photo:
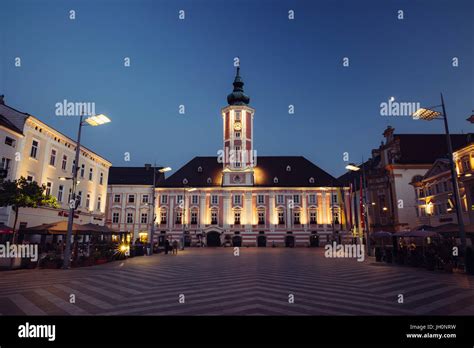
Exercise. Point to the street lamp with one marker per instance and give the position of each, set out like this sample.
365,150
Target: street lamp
183,218
429,114
95,120
152,230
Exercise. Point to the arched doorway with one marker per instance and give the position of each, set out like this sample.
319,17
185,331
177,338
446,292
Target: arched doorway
213,239
261,241
289,241
314,240
237,241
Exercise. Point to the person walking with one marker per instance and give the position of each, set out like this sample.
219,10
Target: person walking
167,246
175,247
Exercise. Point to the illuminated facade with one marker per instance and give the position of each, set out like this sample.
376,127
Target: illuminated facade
434,191
240,199
38,152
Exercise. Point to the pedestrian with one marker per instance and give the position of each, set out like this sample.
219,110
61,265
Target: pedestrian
167,246
175,247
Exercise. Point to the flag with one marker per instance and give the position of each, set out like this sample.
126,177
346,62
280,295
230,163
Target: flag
361,207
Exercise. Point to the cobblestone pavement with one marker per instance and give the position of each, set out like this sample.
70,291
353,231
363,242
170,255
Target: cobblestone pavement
260,281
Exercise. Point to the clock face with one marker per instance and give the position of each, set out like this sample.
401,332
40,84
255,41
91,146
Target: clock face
237,179
237,126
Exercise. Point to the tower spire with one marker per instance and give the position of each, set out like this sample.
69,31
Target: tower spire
238,97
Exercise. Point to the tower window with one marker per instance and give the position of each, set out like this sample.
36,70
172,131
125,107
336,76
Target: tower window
237,134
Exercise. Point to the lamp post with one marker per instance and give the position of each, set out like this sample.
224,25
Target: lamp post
95,120
153,198
183,218
429,114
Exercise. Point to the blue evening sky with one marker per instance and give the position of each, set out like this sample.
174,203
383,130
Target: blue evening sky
283,62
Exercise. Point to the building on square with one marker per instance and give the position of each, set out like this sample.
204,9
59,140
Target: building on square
129,200
241,199
31,149
400,161
434,191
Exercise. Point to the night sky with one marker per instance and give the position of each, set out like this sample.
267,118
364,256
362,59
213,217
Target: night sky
283,62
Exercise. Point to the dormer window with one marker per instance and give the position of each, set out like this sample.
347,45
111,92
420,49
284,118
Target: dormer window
288,168
209,181
275,180
311,180
185,181
199,169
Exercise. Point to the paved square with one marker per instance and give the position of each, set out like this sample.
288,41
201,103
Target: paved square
258,282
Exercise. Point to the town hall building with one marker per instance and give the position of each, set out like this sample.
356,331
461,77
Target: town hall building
241,199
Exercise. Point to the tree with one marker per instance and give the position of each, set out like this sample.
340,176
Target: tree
22,193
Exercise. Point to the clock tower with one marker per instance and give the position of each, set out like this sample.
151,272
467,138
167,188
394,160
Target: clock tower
238,156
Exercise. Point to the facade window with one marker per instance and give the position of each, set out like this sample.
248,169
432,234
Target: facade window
445,186
163,217
10,141
52,158
60,193
145,199
29,178
280,199
465,165
179,199
164,199
296,199
179,218
99,203
237,218
281,217
101,179
116,198
88,201
195,199
312,218
334,198
5,164
261,217
296,218
144,219
214,217
91,171
312,199
237,199
115,218
131,198
237,134
214,199
129,218
83,169
430,190
34,149
260,199
194,218
64,163
48,188
79,198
